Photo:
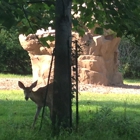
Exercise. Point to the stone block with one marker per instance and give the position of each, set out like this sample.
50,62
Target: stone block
98,62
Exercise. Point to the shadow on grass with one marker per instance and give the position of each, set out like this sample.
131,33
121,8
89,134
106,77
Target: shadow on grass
19,111
16,118
113,104
26,109
127,86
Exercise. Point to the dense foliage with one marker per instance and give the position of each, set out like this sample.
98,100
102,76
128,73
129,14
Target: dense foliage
26,16
122,16
12,57
129,58
119,15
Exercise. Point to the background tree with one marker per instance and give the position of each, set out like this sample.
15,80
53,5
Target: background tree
119,15
12,57
129,53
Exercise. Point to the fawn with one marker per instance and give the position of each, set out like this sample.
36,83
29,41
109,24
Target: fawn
38,96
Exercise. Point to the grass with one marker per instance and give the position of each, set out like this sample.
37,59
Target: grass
132,81
14,76
126,81
102,117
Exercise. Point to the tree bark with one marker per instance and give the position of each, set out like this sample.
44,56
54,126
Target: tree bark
62,70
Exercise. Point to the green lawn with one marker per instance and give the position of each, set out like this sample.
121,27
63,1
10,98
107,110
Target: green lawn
14,76
126,81
102,117
132,81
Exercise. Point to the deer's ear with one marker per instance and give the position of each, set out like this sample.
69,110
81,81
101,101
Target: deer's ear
21,85
34,84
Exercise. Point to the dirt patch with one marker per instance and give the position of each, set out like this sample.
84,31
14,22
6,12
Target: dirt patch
12,84
110,89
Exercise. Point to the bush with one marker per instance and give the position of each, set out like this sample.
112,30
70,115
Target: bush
13,59
106,122
129,58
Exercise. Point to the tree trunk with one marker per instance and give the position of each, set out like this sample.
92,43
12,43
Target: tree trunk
62,70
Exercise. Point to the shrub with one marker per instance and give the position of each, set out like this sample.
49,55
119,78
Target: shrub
129,58
13,59
120,126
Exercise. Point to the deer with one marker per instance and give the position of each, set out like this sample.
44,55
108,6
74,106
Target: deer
38,96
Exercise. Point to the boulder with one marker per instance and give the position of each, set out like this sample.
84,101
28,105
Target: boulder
41,68
92,77
40,58
100,56
97,64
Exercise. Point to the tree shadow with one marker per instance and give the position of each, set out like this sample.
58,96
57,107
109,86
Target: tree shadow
127,86
22,112
109,103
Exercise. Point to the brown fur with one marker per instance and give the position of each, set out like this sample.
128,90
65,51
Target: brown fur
38,96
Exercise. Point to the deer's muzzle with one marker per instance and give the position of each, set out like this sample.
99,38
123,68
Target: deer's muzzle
26,98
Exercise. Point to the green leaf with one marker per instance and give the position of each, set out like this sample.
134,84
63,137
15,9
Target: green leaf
44,41
90,25
75,22
98,30
51,38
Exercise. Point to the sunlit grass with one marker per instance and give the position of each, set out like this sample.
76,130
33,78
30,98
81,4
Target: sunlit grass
16,116
132,81
125,81
14,76
90,102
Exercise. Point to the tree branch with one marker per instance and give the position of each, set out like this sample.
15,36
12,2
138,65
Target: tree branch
48,2
26,16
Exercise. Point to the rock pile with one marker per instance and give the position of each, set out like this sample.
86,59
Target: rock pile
98,63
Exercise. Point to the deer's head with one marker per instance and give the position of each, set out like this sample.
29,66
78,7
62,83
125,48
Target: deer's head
27,90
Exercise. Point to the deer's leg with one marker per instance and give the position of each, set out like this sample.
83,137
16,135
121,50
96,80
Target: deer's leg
37,113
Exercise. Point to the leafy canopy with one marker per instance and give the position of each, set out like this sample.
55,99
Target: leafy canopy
122,16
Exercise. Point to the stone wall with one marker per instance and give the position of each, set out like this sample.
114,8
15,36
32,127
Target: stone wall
40,58
98,63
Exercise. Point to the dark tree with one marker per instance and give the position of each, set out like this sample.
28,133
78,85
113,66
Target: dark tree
62,71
